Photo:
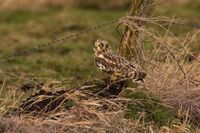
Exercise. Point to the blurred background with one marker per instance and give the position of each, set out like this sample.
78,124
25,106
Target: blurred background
98,4
28,23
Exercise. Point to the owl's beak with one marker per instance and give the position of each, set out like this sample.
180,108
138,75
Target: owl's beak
94,49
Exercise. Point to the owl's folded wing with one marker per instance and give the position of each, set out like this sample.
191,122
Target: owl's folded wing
107,65
120,61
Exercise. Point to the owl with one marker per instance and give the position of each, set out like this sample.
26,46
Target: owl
114,64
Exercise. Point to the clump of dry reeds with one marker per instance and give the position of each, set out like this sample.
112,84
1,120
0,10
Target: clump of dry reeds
173,71
88,113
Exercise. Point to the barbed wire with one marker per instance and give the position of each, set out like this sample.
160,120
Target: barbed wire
65,38
59,40
166,20
183,24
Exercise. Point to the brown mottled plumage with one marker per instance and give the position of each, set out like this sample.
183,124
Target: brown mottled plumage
114,64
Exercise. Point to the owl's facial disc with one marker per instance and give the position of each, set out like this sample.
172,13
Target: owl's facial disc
101,46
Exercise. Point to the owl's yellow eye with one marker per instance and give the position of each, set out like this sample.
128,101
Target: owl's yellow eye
101,45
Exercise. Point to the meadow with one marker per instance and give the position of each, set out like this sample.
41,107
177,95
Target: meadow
71,63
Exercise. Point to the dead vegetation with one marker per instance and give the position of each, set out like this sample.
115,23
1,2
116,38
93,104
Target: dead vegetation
170,74
95,107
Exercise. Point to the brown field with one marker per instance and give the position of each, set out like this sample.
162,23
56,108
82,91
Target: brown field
168,103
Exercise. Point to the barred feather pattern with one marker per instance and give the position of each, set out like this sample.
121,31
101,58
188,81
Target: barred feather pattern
114,64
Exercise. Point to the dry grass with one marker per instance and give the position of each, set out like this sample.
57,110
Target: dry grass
91,114
173,70
170,75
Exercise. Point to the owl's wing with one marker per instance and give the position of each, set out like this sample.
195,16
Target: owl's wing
121,61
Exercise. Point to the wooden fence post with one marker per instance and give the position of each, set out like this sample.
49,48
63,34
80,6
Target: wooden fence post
132,42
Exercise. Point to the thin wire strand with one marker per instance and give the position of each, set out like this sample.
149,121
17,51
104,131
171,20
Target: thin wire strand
62,39
65,38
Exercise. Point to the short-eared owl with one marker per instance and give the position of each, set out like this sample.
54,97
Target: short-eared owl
114,64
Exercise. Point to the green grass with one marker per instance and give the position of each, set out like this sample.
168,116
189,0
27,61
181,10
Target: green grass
20,17
72,60
150,105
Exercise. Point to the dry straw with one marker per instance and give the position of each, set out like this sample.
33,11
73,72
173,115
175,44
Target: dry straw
173,73
173,70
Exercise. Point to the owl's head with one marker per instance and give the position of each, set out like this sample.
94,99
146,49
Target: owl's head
101,46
